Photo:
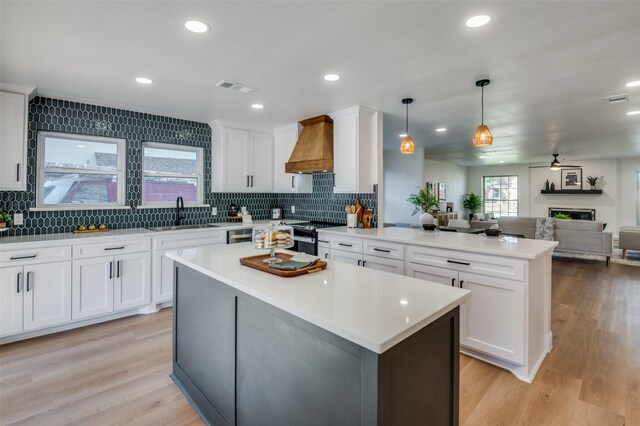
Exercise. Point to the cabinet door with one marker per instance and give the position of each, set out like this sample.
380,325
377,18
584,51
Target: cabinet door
11,291
261,165
92,287
492,320
429,273
132,282
12,141
324,253
162,277
284,139
47,295
383,264
235,162
347,257
345,153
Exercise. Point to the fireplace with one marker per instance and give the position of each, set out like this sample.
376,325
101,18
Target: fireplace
578,214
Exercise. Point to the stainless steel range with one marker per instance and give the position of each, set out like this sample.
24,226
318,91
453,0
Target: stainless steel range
305,235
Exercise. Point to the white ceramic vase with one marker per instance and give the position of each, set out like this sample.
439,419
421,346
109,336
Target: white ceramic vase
426,218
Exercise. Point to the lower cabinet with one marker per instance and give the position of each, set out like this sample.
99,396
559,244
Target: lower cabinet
493,319
367,261
110,283
34,296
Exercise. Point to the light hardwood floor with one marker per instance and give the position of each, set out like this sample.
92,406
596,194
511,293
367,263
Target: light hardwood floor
118,372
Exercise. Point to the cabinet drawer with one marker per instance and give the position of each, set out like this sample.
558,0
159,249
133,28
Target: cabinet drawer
383,249
472,263
22,256
117,247
324,240
383,264
347,244
189,240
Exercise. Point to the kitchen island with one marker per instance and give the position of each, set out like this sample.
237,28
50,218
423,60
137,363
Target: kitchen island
345,345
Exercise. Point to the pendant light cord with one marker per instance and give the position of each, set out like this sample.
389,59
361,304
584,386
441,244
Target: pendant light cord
482,103
406,128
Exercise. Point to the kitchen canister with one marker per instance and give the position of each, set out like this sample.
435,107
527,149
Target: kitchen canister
352,220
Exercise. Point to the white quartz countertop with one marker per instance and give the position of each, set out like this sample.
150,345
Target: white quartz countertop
371,308
501,246
7,243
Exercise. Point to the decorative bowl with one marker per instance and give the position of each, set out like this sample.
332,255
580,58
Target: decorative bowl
429,226
492,232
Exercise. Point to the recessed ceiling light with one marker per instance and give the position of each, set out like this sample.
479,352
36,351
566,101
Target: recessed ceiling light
404,302
633,83
80,146
633,113
482,156
144,80
402,135
257,106
197,26
477,21
332,77
501,161
441,129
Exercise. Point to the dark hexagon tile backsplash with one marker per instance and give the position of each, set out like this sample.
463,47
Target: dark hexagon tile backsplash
46,114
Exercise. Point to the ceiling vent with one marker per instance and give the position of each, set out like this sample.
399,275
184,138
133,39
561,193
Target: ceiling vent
238,87
615,99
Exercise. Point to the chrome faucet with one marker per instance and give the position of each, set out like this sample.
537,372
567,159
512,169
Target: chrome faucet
179,209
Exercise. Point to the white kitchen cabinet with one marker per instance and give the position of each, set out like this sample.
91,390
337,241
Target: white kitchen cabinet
433,274
14,104
242,159
102,285
383,264
346,257
355,142
384,256
324,253
284,140
34,296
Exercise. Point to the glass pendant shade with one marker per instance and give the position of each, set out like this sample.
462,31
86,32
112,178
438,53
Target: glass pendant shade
483,136
407,146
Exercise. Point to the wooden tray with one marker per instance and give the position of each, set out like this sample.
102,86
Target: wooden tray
91,231
256,263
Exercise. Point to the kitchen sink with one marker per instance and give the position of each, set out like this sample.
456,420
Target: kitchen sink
179,227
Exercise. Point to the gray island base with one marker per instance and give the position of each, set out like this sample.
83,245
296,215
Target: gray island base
241,361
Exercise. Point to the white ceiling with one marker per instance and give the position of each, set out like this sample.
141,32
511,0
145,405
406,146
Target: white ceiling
551,65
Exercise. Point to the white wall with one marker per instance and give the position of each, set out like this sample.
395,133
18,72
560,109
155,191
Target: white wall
628,191
451,174
475,175
402,174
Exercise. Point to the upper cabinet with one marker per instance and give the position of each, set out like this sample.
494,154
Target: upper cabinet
355,149
14,104
242,159
284,139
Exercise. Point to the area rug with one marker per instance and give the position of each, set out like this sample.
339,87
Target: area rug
631,258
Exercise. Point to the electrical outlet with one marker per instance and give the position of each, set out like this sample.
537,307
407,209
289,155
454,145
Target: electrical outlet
293,209
18,219
214,211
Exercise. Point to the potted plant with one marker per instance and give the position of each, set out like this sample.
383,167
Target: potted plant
562,216
592,180
5,218
424,200
471,202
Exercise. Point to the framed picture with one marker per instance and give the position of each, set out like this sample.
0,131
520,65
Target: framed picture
432,187
442,192
571,179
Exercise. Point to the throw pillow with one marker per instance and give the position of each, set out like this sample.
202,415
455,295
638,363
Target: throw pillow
545,228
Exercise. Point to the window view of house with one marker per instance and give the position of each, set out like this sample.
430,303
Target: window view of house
500,195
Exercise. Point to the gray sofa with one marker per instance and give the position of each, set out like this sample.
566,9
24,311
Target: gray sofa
573,236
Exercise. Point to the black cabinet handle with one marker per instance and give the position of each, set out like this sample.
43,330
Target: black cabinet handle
453,282
252,181
461,283
326,255
18,172
247,181
29,281
345,245
359,262
293,185
113,248
364,263
458,263
18,282
323,241
382,250
30,256
118,268
110,270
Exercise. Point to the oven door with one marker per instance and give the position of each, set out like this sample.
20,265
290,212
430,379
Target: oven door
305,244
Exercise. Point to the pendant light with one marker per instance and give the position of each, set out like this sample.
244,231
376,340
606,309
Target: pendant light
407,146
483,135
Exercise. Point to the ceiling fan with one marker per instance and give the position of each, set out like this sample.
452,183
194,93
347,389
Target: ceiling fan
555,164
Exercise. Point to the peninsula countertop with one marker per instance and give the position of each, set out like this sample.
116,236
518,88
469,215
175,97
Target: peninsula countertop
371,308
500,246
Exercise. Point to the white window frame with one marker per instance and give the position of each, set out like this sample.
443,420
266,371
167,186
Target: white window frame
199,176
119,172
484,178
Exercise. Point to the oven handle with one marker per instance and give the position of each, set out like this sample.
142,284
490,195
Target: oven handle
304,239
